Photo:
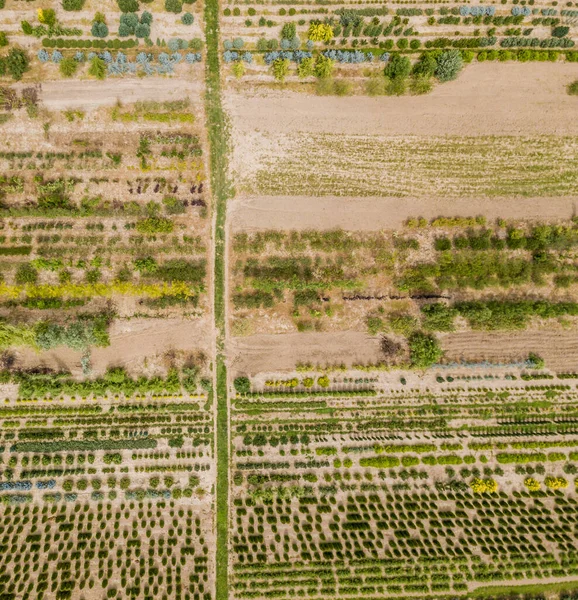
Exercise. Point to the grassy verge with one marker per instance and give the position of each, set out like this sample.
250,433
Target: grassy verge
221,189
537,588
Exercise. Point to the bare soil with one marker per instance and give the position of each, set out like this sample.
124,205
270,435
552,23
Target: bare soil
260,213
91,94
137,344
253,354
559,349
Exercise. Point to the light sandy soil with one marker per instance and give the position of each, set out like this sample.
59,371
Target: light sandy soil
486,99
134,344
282,352
258,213
91,94
559,349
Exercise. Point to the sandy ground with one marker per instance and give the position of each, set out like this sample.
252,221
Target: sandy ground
134,343
258,213
487,99
282,352
91,94
559,349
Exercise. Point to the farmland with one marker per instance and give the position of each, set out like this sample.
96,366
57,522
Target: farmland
288,300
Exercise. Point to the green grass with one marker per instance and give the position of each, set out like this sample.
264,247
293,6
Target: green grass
537,588
221,189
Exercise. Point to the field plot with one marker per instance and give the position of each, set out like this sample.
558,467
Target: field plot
404,492
385,49
106,487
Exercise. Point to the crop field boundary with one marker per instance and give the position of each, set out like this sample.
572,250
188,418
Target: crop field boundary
221,191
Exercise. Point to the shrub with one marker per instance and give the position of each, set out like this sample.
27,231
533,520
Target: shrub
289,31
187,19
532,484
556,483
128,6
560,31
573,88
26,274
3,39
449,65
484,486
174,6
398,67
424,350
320,32
280,68
99,29
68,67
306,68
73,4
323,67
17,63
97,68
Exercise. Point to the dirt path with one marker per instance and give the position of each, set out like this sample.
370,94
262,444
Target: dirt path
259,213
281,352
487,99
132,343
559,349
89,94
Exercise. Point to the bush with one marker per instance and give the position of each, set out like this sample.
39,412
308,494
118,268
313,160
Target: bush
73,4
320,32
424,350
398,67
187,19
68,67
560,32
573,88
532,484
99,30
128,6
323,67
242,385
3,39
97,68
174,6
17,63
449,65
26,274
280,68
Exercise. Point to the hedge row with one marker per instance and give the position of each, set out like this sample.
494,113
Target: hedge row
84,445
101,44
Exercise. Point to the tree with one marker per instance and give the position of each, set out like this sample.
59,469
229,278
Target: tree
242,385
97,68
449,65
68,67
17,63
47,16
398,67
424,350
174,6
187,19
305,68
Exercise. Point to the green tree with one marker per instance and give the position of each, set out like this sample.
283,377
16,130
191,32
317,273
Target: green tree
449,65
323,67
280,68
242,385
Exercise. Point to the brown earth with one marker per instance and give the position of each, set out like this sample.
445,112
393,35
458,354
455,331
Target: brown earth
559,349
259,213
282,352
